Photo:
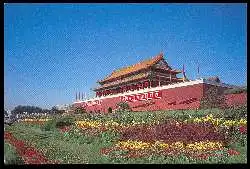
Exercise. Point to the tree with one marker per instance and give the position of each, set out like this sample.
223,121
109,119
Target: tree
212,99
123,106
80,110
5,113
109,110
55,110
29,109
236,90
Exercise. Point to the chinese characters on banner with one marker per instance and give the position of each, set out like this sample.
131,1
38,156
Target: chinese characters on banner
129,98
91,103
142,96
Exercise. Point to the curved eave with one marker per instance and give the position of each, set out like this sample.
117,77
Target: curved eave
176,71
101,88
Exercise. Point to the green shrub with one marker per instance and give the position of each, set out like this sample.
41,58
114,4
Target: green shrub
84,139
65,121
236,112
123,106
49,125
109,136
58,123
80,110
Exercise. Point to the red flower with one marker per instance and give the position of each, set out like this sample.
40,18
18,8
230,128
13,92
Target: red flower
243,129
30,153
105,151
7,135
19,144
233,152
202,156
65,129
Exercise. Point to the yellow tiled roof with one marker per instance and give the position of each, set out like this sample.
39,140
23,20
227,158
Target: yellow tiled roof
131,78
133,68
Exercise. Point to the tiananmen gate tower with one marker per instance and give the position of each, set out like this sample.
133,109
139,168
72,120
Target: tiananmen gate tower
149,85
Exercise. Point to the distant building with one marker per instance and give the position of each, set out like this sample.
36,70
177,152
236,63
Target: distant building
64,107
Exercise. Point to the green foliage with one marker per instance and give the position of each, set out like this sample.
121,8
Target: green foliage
10,155
109,136
65,121
236,112
29,109
123,106
49,125
80,110
236,90
212,99
84,139
58,123
5,113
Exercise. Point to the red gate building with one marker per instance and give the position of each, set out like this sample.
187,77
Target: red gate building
149,85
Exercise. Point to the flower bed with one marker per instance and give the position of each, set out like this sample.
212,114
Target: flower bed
186,133
29,154
218,121
35,121
197,138
136,149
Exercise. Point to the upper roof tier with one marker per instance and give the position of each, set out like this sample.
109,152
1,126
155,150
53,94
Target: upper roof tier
136,67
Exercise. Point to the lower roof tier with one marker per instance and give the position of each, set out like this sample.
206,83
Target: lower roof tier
136,79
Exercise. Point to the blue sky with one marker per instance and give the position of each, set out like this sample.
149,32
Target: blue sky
53,50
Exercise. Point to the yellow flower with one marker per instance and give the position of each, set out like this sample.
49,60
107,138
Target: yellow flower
191,146
211,116
197,120
206,119
242,122
178,145
164,145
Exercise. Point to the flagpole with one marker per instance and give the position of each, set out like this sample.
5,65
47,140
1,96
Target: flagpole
198,70
170,77
159,81
183,72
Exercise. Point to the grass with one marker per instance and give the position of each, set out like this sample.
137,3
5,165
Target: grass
67,149
10,155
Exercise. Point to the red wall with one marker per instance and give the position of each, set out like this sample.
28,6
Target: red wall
187,97
178,95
